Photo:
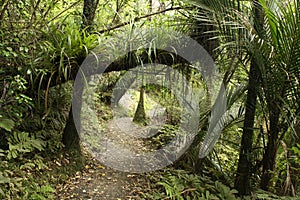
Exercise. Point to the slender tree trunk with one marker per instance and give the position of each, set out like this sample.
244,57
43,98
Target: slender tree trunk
71,132
89,11
243,175
269,157
140,114
242,180
70,135
278,128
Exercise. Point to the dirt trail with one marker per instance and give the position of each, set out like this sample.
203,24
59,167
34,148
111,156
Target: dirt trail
102,183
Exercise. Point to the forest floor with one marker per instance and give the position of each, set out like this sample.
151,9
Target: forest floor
97,182
101,182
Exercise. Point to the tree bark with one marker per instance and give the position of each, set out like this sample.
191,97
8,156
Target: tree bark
269,157
278,128
70,135
89,11
242,181
71,138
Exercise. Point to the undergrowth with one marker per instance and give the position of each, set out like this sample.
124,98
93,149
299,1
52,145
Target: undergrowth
177,184
34,161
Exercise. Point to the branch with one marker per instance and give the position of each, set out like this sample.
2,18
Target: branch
161,56
141,17
33,15
55,17
124,63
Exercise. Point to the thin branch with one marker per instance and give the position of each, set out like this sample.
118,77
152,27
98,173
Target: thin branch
74,4
33,15
48,10
141,17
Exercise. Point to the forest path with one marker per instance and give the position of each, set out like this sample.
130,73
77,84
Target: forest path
99,182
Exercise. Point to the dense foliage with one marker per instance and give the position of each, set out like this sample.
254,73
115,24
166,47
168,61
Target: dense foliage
255,45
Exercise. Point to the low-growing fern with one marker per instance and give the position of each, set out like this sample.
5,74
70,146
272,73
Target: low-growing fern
177,184
20,143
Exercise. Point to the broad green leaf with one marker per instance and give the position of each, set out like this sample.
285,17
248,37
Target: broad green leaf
7,124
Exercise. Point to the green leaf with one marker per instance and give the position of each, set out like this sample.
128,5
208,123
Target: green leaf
3,179
1,192
9,48
7,124
2,153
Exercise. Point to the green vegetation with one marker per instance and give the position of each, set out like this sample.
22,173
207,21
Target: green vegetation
255,45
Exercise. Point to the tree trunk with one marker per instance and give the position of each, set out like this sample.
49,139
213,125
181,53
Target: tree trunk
71,132
140,114
242,180
70,137
243,175
269,157
89,11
